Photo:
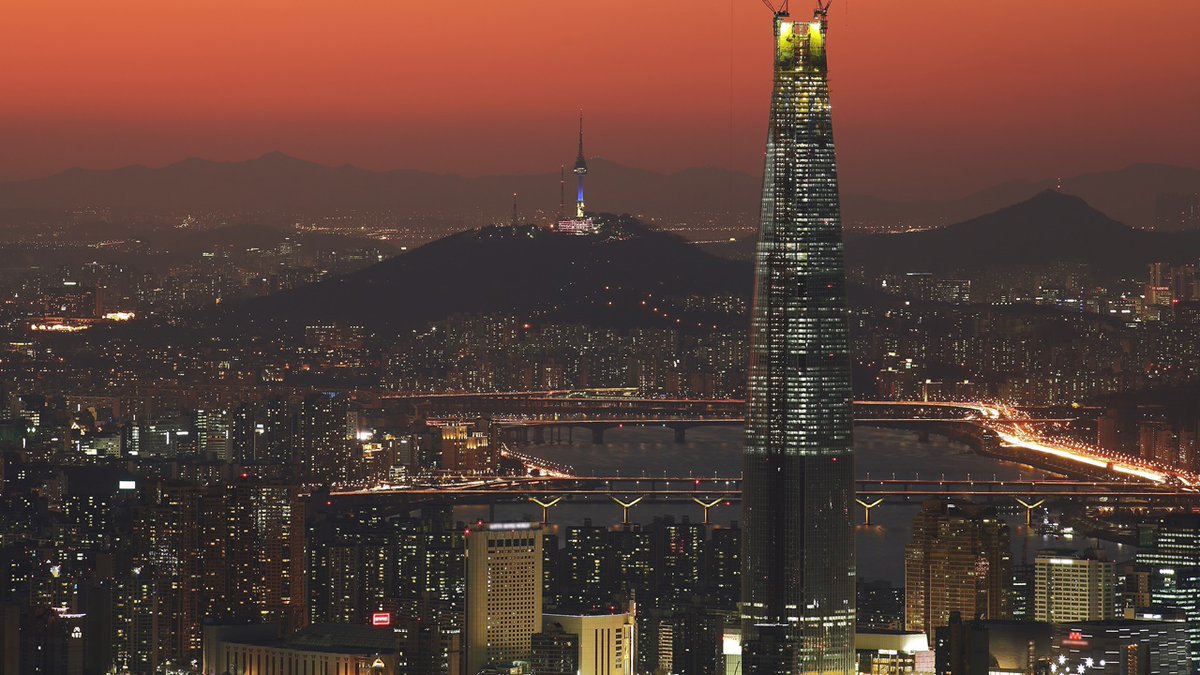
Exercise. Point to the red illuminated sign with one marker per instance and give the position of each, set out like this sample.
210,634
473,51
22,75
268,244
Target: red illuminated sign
381,619
1075,639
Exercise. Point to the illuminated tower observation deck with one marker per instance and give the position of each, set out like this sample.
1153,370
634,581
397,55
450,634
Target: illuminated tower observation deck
798,466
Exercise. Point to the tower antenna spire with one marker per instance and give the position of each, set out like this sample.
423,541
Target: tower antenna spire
581,133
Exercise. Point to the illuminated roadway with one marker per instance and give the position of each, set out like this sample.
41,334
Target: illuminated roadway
710,491
1013,428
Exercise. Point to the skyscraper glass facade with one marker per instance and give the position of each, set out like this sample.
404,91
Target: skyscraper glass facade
798,470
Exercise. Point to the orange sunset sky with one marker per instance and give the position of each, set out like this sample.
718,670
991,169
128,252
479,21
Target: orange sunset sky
931,98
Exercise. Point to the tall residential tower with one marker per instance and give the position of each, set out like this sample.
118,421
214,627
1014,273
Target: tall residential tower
798,467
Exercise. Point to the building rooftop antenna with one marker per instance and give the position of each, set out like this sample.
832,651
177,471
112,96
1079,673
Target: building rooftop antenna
781,10
580,161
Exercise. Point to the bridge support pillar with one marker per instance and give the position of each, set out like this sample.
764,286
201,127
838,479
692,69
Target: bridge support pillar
1029,507
867,509
545,504
539,435
598,435
680,435
706,506
625,506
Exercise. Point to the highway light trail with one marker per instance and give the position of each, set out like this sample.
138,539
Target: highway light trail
543,466
1006,422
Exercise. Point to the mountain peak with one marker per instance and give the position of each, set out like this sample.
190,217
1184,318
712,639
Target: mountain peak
1053,196
1048,227
1049,214
279,157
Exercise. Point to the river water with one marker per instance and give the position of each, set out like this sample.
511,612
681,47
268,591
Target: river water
716,451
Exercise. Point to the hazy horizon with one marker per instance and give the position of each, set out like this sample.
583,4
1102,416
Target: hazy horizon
929,101
1049,180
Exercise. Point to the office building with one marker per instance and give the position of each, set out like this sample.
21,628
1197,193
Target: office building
1120,647
554,651
214,437
992,647
798,466
1172,561
605,643
1070,586
504,592
361,649
892,652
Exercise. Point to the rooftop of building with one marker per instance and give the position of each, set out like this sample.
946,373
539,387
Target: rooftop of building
357,639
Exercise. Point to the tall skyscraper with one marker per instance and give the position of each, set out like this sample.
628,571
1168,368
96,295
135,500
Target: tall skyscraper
798,569
504,593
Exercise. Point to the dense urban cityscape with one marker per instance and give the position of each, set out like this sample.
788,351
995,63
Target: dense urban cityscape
268,417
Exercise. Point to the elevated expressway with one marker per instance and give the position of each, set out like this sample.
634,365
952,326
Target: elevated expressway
995,429
1097,477
625,492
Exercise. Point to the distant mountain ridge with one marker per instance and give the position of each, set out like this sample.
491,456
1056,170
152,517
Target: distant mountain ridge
635,276
276,182
1127,195
279,183
1046,228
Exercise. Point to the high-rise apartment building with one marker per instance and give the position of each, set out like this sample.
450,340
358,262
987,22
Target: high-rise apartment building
1157,441
798,569
959,560
1070,586
504,592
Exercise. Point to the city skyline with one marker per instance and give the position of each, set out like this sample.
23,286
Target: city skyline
275,416
181,103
